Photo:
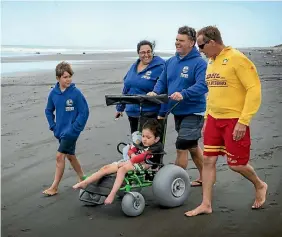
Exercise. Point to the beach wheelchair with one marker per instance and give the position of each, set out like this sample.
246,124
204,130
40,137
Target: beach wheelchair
170,183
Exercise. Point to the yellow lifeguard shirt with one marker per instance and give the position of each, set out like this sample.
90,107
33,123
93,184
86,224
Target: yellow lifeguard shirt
234,86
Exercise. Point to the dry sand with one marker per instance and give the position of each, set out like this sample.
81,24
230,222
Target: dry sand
28,162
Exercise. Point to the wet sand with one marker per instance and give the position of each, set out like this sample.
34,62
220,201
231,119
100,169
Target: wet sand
28,162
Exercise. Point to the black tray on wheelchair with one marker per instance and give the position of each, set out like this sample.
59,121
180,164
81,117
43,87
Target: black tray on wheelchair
136,99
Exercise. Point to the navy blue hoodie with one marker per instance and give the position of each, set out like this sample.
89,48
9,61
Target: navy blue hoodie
71,112
187,76
141,83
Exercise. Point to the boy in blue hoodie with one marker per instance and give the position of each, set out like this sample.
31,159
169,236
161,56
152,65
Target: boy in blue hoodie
183,79
71,116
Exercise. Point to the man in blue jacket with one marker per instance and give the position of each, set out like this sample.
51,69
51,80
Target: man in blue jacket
71,116
183,79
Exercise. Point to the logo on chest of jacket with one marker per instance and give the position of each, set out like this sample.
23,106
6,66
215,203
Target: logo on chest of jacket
147,75
184,72
225,61
69,105
215,80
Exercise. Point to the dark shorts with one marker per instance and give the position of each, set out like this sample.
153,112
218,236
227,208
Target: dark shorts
189,127
67,146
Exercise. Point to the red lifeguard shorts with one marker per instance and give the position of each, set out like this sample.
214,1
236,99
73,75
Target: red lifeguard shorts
218,140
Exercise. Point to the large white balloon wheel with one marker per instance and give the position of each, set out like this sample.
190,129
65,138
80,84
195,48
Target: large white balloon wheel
133,204
178,187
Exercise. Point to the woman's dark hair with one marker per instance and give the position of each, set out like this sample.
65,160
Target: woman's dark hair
146,42
153,125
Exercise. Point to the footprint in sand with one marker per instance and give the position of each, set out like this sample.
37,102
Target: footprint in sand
225,209
273,204
9,166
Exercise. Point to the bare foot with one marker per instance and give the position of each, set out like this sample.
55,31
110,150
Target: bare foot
260,196
50,191
202,209
196,183
81,185
109,200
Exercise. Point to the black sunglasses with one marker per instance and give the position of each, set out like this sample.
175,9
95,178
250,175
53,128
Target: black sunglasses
201,46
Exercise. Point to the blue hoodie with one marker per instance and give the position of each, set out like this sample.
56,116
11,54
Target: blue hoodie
187,76
71,112
141,83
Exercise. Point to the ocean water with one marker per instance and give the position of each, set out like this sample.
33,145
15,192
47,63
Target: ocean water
22,51
9,68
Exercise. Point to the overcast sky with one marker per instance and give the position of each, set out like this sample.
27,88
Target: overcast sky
122,24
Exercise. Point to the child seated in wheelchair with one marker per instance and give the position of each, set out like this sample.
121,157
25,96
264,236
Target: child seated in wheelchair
151,133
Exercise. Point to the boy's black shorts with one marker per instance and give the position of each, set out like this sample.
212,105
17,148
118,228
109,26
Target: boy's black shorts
67,146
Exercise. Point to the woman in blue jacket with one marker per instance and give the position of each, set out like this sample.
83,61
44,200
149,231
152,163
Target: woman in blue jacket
141,79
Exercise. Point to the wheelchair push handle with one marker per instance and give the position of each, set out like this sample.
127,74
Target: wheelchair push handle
172,108
136,99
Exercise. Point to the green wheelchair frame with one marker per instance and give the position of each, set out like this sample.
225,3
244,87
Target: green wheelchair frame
140,179
169,182
134,180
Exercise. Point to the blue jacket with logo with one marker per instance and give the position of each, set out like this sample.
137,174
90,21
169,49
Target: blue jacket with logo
187,76
142,83
71,112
